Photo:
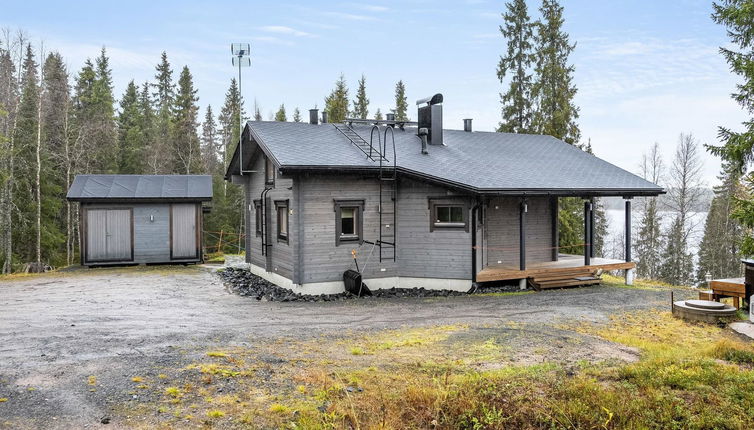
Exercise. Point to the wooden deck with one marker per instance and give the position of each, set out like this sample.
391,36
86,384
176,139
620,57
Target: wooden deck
731,287
566,265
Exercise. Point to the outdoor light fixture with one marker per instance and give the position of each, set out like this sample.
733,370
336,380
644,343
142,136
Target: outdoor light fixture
241,58
151,218
708,278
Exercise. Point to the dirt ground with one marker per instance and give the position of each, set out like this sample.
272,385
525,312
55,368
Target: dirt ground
70,343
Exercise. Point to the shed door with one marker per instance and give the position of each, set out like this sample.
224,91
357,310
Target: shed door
108,235
183,231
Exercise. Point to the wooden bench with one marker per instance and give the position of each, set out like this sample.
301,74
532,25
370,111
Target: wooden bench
731,287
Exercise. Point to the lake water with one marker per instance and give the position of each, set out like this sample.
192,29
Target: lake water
617,223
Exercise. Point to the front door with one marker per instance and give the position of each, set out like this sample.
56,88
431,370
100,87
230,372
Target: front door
108,235
183,232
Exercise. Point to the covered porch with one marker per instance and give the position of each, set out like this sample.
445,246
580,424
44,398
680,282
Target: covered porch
522,243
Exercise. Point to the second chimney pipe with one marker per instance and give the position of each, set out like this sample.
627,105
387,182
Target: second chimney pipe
423,132
467,124
324,117
313,116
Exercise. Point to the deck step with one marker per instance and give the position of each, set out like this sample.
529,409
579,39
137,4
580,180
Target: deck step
539,284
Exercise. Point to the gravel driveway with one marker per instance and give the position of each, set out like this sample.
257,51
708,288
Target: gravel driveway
58,330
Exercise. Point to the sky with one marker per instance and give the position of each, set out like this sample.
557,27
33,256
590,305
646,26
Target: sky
646,71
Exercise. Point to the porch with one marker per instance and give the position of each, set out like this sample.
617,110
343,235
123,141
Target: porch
566,266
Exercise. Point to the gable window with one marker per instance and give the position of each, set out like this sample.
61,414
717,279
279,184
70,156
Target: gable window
349,221
281,207
448,215
258,216
269,172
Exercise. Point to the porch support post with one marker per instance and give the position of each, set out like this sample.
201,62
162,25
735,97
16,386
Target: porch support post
587,232
555,224
591,227
522,234
629,272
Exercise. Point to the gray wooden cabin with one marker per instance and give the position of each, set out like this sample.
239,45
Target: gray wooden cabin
140,219
422,206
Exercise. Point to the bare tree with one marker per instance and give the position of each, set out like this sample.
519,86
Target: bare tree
649,240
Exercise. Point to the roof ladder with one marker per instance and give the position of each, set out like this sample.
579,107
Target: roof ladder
367,148
388,197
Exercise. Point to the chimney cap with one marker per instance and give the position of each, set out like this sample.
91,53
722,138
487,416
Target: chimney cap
435,99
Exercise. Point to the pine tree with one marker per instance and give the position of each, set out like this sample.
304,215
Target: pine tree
517,101
719,249
280,114
185,141
257,112
296,115
738,148
553,88
210,147
147,123
164,103
361,104
401,103
230,115
106,160
25,142
678,265
54,102
131,144
8,104
378,115
336,104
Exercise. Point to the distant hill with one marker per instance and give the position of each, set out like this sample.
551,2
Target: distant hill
703,206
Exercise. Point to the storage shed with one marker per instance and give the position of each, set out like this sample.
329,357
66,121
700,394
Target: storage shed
135,219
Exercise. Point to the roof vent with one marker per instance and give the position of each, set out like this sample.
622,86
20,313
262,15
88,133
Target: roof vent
313,116
390,117
430,117
467,124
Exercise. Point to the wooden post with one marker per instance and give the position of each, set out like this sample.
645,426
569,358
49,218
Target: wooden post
522,234
587,232
591,227
555,227
628,230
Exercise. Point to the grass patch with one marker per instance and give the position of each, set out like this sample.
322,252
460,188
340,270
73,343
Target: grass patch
641,284
216,354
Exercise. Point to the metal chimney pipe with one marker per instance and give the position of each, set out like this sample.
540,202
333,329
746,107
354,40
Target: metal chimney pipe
390,117
467,124
324,117
423,132
313,116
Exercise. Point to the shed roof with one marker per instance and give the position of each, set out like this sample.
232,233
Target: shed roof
141,187
485,162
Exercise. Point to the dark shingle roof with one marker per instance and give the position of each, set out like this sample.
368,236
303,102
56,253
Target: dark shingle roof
480,161
141,187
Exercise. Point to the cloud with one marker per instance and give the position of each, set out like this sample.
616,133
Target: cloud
373,8
281,29
350,16
272,40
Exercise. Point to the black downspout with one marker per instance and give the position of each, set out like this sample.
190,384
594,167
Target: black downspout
474,211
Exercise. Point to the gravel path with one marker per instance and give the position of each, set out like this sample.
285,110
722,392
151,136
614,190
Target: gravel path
57,330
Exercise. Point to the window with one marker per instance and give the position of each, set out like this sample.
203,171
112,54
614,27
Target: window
282,220
448,215
269,172
258,216
348,221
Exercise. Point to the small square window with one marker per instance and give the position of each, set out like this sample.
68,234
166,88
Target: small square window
448,216
258,216
282,220
349,221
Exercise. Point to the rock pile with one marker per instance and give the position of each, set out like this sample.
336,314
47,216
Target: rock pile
245,283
